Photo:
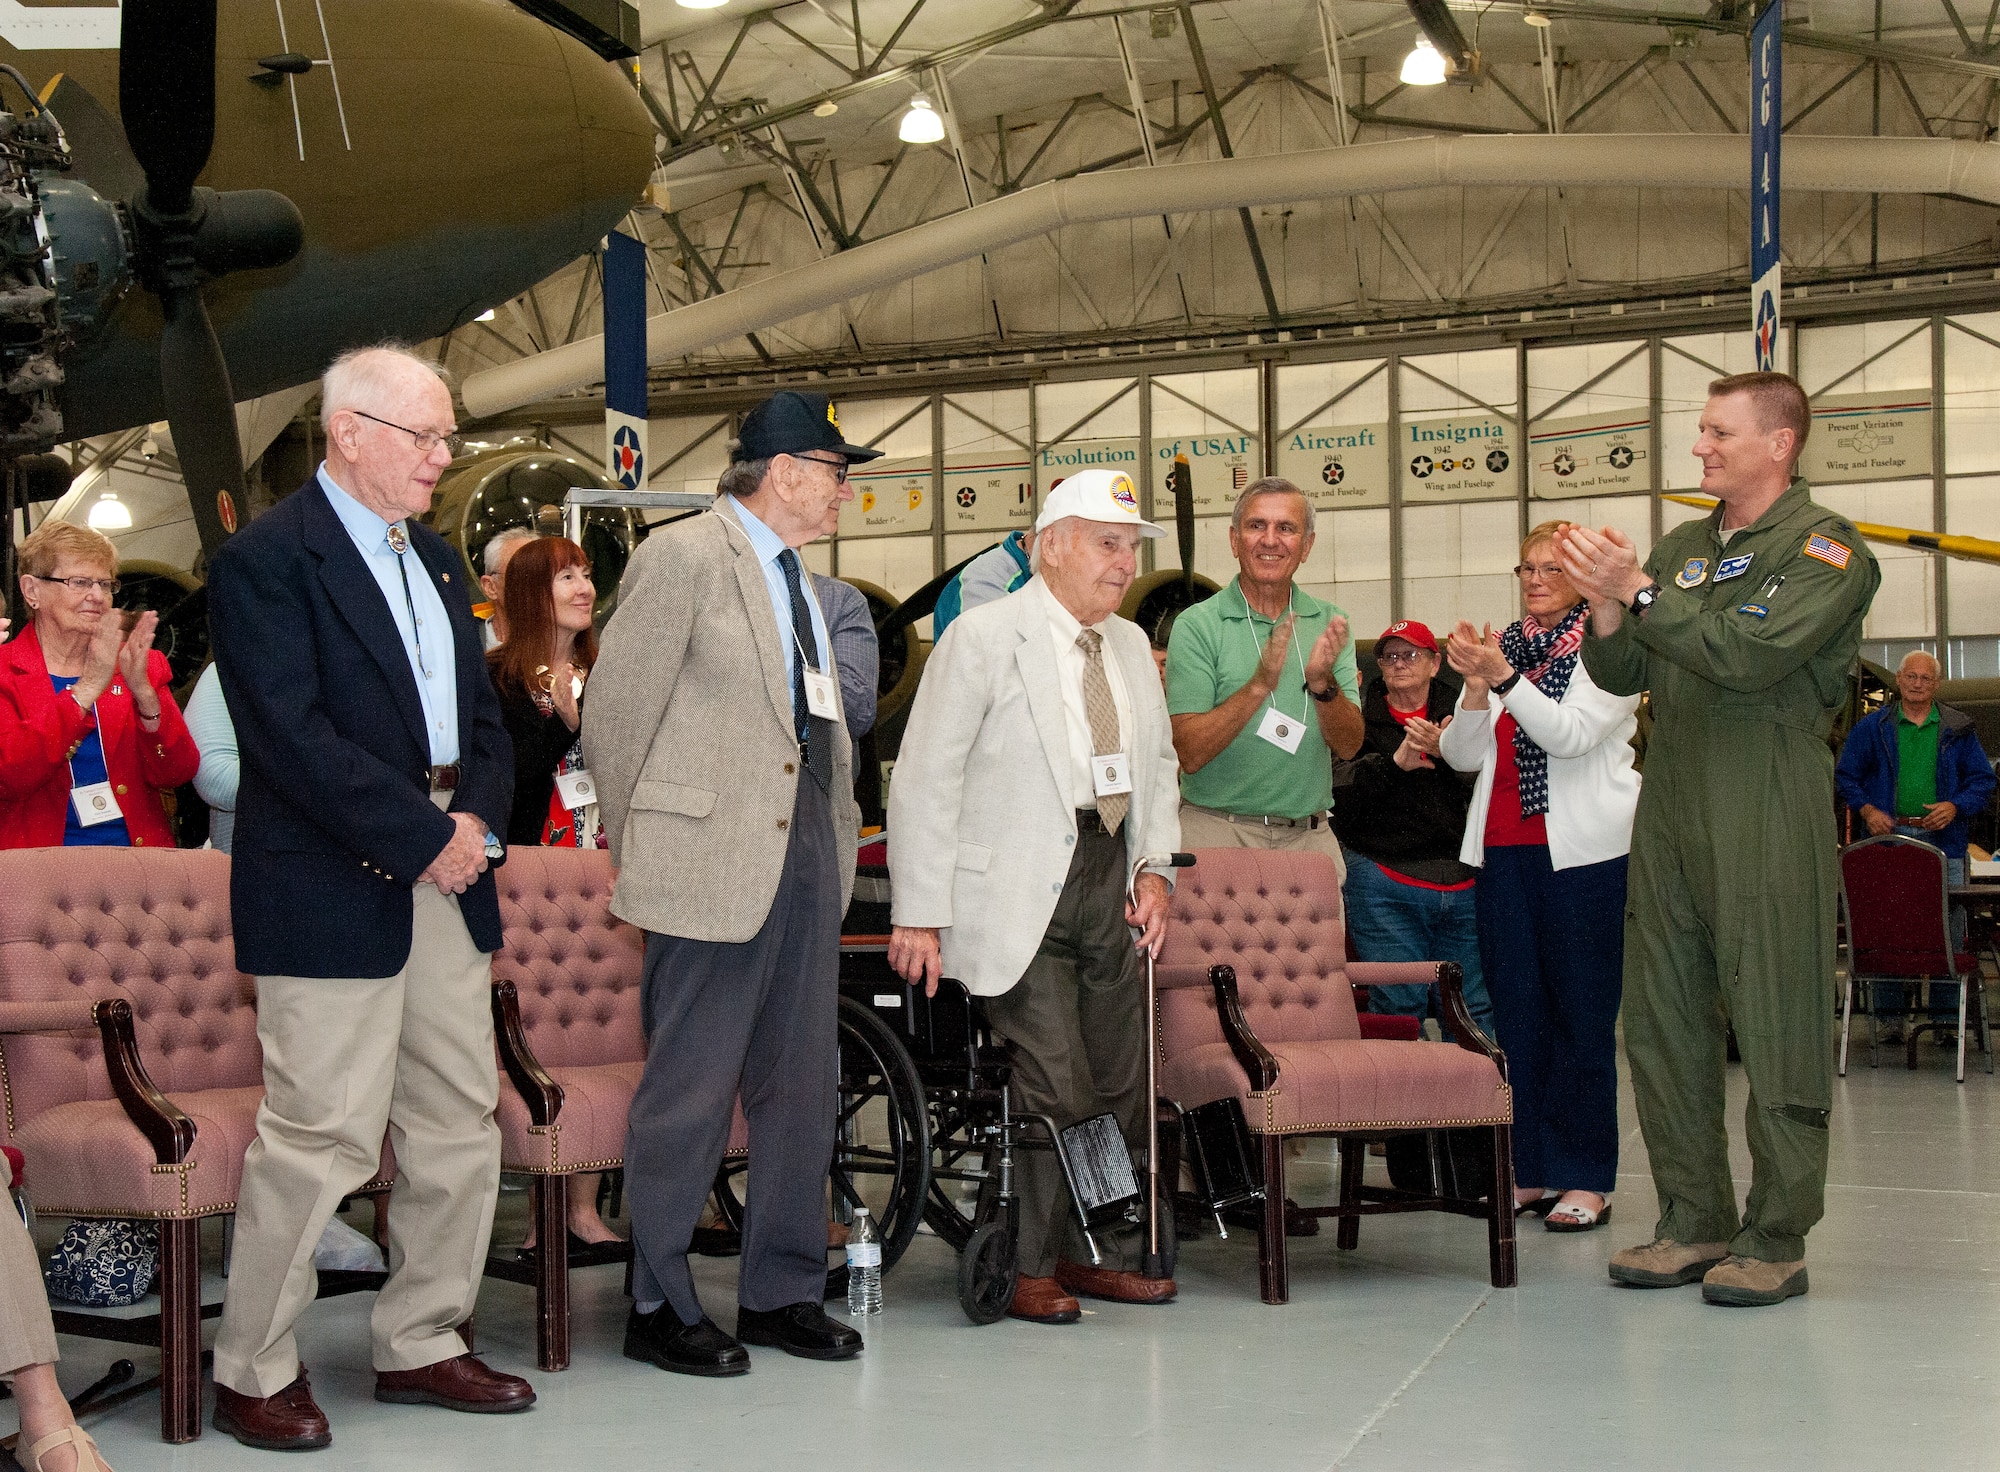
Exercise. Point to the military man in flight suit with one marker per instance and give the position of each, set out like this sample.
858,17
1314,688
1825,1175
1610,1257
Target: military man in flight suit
1744,625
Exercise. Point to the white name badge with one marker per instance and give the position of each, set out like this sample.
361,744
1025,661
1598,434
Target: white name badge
821,698
1111,775
95,804
1282,731
576,789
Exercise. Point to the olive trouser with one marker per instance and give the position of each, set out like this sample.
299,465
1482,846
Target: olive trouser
1730,922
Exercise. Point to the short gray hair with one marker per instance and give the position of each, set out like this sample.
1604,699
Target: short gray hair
1270,485
1937,668
742,477
497,545
367,376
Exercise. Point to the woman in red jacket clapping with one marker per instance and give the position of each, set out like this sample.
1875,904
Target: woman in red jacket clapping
90,738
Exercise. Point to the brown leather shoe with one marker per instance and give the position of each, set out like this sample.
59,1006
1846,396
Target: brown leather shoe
460,1384
286,1422
1116,1286
1042,1301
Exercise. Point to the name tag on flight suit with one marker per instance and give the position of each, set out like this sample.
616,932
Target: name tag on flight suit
1111,774
94,804
576,789
820,697
1282,731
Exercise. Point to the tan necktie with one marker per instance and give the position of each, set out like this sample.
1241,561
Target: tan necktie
1103,713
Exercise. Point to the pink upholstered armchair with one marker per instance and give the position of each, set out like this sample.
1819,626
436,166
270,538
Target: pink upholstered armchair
566,1010
1256,1005
131,1070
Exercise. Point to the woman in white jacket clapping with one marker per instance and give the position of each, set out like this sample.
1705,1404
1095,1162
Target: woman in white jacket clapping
1549,829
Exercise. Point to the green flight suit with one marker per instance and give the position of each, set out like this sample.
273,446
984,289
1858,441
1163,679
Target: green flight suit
1734,876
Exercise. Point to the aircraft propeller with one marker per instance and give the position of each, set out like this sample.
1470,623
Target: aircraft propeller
186,235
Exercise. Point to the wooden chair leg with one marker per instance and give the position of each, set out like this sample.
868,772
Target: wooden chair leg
1500,1220
180,1330
1273,1269
552,1272
1353,1160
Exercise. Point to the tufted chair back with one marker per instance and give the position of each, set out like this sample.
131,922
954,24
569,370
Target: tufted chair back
1276,918
151,925
575,964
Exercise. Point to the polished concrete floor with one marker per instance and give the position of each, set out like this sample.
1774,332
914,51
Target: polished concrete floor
1398,1355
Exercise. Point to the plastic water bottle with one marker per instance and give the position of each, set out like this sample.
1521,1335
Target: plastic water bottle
864,1265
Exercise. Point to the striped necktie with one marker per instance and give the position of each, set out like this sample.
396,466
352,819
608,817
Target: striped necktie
1103,713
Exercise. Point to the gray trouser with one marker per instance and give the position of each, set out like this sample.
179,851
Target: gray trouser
1075,1024
758,1017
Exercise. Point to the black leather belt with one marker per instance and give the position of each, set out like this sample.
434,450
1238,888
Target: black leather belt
445,778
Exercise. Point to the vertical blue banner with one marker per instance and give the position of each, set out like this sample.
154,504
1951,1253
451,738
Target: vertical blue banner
625,360
1767,129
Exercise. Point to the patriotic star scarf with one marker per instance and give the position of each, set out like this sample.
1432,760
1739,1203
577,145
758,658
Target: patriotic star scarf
1546,658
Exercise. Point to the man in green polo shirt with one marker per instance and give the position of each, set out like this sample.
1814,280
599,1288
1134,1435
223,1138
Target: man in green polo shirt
1262,684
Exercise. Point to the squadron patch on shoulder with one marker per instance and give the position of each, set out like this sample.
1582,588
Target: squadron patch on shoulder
1691,574
1834,554
1733,567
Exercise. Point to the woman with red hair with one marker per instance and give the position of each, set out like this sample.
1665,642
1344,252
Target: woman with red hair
539,673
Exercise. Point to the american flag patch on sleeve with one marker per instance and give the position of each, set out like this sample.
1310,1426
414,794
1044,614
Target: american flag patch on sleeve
1827,550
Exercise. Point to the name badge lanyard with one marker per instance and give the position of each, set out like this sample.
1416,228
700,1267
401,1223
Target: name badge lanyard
94,804
1250,630
819,683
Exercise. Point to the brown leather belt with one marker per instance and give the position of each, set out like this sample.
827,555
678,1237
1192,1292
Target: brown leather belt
1311,820
445,778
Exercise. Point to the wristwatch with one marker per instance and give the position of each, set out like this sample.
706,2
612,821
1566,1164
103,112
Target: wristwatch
1332,692
1644,599
1507,684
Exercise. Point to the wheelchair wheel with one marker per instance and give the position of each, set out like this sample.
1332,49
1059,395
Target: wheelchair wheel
987,1273
881,1153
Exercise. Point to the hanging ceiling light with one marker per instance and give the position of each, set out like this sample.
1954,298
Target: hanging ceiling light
702,4
110,514
826,109
920,124
1423,67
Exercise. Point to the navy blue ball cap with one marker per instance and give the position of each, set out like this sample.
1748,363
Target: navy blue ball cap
790,423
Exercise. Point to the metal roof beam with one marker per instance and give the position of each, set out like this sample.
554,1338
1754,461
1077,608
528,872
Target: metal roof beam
1222,142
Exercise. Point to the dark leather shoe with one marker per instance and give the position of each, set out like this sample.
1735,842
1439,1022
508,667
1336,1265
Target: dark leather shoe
458,1384
661,1339
1042,1301
802,1329
286,1422
1116,1286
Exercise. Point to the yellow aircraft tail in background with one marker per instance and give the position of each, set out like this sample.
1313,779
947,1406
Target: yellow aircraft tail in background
1972,549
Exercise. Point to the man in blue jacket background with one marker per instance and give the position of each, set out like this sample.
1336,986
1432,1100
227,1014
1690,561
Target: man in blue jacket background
1916,768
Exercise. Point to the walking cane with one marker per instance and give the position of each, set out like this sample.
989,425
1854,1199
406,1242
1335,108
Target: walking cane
1156,1262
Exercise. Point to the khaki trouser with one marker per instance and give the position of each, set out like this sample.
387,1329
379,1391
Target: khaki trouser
27,1337
1207,828
343,1060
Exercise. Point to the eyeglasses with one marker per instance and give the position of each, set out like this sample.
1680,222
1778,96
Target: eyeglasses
108,586
1400,656
427,439
1548,572
838,467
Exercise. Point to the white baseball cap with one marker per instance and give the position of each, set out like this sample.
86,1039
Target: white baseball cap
1096,495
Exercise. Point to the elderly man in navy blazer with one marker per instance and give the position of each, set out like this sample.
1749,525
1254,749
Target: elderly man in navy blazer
375,773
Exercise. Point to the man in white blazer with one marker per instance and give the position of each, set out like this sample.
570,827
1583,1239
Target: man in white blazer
1037,765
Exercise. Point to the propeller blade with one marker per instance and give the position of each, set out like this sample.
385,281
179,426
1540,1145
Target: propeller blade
96,141
1180,480
201,410
166,93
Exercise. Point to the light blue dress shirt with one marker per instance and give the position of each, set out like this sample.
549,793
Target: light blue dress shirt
420,611
214,735
767,544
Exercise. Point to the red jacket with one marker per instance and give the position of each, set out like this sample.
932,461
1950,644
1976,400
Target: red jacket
38,728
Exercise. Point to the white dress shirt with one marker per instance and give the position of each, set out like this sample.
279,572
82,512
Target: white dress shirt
1063,629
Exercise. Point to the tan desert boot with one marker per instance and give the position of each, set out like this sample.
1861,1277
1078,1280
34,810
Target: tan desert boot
1749,1282
1666,1263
